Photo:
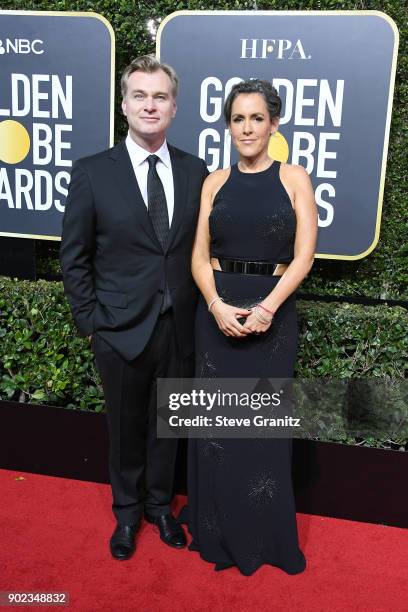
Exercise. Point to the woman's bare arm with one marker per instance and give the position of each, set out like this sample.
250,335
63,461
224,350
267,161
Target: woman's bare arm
225,315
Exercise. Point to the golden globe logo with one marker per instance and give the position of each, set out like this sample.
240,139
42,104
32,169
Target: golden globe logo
21,46
14,142
264,48
35,141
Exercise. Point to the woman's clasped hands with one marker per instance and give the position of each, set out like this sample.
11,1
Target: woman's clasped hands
227,318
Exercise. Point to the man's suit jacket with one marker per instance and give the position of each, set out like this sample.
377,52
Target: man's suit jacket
113,265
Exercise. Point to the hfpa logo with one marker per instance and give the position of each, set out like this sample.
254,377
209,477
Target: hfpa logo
21,45
264,48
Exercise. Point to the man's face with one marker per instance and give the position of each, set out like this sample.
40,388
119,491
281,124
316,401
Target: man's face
149,106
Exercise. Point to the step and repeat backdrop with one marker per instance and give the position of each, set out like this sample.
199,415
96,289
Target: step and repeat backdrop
334,71
335,74
56,104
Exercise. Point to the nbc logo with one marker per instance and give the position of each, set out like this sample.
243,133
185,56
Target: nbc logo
21,46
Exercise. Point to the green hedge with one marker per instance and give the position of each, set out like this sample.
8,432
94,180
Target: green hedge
43,360
384,272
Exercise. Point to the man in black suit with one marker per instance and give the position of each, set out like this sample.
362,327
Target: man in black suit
128,232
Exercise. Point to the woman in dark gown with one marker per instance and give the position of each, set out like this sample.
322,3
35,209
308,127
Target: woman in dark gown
241,508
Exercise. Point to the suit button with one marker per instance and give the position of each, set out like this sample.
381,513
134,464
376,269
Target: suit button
160,291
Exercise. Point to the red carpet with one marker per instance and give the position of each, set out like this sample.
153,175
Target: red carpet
55,532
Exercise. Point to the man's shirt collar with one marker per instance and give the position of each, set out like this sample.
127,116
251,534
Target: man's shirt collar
139,155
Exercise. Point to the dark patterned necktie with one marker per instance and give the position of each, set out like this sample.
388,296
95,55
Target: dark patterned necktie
158,213
157,204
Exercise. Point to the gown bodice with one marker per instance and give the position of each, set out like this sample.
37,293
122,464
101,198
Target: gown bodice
252,218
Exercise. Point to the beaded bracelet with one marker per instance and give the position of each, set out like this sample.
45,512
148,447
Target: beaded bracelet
213,302
266,309
260,317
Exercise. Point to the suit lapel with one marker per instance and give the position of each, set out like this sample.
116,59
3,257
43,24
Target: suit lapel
180,180
129,188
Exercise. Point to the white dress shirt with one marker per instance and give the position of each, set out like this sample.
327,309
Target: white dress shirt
138,157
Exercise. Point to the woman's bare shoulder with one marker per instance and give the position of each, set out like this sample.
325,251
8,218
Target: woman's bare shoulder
216,180
217,177
294,173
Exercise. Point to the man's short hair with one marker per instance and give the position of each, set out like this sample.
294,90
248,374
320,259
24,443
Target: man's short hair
149,64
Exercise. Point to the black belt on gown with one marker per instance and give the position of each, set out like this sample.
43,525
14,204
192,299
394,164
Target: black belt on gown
248,267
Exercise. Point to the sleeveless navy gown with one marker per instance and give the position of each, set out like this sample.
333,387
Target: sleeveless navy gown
241,509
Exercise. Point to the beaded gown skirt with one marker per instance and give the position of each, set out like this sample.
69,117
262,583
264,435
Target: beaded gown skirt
241,509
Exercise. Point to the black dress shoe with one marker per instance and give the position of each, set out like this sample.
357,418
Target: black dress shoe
122,542
170,531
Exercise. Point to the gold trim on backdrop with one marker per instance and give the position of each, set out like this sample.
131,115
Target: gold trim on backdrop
35,236
394,28
112,84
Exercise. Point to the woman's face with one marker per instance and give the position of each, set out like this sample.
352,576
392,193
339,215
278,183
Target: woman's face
251,125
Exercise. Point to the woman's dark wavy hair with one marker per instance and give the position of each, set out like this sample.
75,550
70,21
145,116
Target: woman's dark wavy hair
269,93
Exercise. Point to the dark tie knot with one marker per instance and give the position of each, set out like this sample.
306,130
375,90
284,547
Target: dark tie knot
152,159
